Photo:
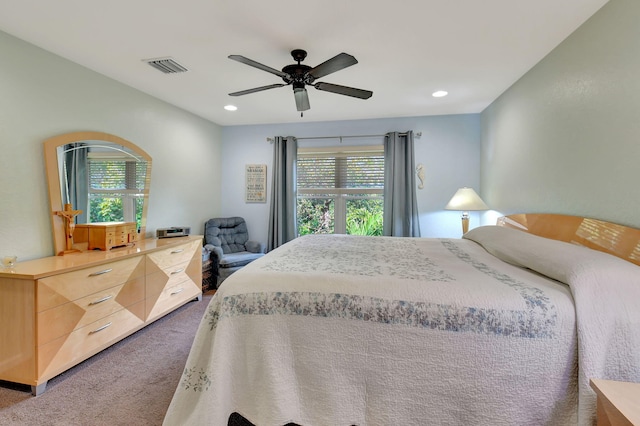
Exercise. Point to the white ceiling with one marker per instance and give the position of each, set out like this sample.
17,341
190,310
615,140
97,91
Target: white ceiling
407,49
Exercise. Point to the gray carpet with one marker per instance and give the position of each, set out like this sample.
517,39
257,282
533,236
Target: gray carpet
130,383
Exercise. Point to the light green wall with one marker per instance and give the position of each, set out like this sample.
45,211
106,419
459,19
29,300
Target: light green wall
566,137
43,95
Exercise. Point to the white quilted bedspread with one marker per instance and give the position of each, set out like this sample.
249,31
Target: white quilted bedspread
345,330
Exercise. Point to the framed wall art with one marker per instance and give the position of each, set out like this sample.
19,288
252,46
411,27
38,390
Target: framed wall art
255,183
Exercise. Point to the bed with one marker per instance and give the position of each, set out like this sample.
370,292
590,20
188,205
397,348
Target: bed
501,327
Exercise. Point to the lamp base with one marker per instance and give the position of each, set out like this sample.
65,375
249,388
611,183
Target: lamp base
465,222
465,225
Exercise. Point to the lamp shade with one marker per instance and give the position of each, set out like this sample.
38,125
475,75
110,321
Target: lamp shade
466,199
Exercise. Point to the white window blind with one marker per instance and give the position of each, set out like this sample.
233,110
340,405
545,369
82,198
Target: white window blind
343,172
340,190
116,175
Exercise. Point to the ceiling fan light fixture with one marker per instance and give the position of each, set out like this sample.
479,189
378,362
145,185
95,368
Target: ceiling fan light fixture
231,107
302,98
439,93
299,75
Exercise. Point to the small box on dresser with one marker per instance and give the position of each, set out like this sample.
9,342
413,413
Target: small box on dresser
105,235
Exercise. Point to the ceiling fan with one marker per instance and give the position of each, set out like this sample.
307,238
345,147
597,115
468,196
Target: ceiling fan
299,76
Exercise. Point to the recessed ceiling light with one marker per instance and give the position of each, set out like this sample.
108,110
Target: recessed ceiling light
230,107
439,94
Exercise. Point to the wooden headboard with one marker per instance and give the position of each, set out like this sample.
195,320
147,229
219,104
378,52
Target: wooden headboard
618,240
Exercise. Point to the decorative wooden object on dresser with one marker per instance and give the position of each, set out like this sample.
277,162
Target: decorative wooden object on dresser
58,311
105,235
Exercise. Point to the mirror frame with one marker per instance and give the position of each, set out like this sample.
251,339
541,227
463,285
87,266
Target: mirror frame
53,178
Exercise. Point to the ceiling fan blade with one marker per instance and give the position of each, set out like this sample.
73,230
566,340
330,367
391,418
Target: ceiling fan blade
338,62
258,65
257,89
302,98
344,90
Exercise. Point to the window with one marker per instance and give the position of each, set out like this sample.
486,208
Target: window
116,189
340,190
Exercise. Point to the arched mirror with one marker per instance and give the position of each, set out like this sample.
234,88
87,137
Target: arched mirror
105,177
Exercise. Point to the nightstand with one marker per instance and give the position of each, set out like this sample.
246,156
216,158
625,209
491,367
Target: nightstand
618,402
208,277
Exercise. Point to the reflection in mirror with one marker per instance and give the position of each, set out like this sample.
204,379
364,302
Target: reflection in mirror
103,175
106,182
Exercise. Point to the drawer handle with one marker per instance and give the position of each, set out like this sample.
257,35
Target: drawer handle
106,271
177,271
177,251
104,299
100,328
180,290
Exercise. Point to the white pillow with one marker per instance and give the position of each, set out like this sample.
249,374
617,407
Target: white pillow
555,259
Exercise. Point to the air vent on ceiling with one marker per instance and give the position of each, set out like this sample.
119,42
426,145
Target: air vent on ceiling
166,65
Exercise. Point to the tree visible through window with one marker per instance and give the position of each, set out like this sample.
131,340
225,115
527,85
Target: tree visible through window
340,190
116,189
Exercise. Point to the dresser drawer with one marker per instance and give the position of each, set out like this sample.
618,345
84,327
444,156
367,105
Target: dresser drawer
170,275
172,295
63,352
64,319
63,288
172,285
174,276
164,259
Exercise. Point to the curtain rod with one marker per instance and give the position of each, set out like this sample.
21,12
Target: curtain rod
417,135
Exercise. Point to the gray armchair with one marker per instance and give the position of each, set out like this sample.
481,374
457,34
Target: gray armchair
227,241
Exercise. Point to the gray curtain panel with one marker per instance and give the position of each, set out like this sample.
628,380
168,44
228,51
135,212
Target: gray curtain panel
282,214
401,218
76,186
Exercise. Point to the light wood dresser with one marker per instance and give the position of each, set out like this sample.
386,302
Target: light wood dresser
58,311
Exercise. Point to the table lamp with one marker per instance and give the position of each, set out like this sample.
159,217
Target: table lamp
466,199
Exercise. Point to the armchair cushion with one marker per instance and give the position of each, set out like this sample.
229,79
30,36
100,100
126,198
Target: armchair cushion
240,258
255,247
